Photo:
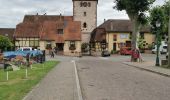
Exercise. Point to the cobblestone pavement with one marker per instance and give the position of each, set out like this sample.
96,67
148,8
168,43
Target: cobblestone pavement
59,84
105,79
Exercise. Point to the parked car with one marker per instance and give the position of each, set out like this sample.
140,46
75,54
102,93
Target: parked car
162,49
26,49
125,51
105,53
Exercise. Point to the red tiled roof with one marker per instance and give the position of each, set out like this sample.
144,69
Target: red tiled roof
27,29
116,25
43,18
49,31
72,30
9,32
46,27
98,35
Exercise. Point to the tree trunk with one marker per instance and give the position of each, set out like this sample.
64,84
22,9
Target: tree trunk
135,37
169,42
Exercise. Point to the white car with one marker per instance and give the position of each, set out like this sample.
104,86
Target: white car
162,49
26,49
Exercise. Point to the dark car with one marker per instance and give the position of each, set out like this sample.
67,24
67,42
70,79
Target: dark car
105,53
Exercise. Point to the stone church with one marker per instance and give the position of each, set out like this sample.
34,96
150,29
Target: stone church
65,33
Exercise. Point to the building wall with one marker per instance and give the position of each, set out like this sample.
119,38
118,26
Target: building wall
27,42
148,37
90,18
111,41
76,52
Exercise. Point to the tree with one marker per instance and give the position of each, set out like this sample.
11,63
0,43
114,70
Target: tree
4,42
166,9
157,19
136,11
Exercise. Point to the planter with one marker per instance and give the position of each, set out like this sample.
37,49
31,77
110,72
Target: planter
164,62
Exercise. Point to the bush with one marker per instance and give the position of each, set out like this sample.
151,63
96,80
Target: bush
114,52
150,47
84,47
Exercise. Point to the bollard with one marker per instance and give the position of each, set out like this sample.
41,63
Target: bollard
26,73
7,78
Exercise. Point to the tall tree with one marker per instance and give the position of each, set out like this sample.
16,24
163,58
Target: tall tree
166,8
136,10
157,21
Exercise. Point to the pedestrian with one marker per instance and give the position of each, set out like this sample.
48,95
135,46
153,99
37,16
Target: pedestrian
52,54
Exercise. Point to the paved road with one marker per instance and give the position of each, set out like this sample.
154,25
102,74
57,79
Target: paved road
106,79
101,79
59,84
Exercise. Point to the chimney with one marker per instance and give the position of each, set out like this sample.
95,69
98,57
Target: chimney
37,14
60,16
111,25
104,20
45,14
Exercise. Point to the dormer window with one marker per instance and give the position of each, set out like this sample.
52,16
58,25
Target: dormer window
85,25
60,31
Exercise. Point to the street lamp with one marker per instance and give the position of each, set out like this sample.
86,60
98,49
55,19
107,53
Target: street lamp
158,24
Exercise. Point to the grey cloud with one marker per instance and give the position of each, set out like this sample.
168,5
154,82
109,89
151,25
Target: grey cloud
13,11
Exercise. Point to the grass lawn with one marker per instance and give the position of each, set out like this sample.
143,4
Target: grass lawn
18,86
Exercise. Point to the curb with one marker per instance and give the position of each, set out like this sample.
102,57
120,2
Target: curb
149,70
80,97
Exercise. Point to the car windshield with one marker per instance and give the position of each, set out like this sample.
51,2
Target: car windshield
26,49
165,47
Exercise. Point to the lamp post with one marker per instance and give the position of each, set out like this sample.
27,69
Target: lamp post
158,24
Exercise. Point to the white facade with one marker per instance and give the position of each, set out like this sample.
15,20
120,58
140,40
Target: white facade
86,12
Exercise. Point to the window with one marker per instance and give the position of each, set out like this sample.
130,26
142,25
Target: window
72,45
84,25
114,37
31,43
124,36
60,31
49,45
89,4
85,14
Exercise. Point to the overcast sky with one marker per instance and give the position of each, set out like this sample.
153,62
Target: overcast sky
13,11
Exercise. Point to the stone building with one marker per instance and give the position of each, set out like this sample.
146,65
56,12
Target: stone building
46,32
66,33
118,34
85,11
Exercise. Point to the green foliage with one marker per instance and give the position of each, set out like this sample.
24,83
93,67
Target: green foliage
166,11
84,47
141,43
135,8
157,14
150,46
5,42
114,52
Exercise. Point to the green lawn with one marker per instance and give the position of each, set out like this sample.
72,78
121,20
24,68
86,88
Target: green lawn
18,86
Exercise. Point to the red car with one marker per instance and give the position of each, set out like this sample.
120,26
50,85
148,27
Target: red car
125,51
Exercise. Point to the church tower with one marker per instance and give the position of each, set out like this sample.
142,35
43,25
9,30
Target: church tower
86,12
